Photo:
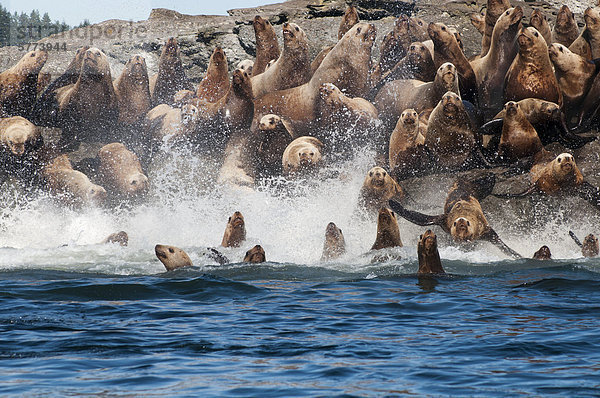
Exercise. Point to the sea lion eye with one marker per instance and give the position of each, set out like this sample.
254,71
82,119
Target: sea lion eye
358,30
384,173
229,219
468,224
455,223
559,160
535,34
412,48
420,237
371,174
420,23
507,12
32,55
247,253
297,29
171,250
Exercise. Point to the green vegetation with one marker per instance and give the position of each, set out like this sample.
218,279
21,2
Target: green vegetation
18,29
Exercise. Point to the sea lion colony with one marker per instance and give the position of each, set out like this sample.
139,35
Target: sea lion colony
424,107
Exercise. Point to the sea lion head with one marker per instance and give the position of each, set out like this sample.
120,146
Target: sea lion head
241,83
564,19
335,244
95,64
562,58
246,65
218,56
172,257
94,194
136,69
462,230
537,19
543,253
189,115
18,136
531,42
427,243
448,75
237,220
377,178
417,28
590,246
34,61
388,232
364,32
260,23
591,16
293,36
235,232
409,117
120,237
510,18
563,164
255,255
302,154
171,47
330,94
451,104
349,19
417,52
511,108
269,122
441,34
551,109
457,36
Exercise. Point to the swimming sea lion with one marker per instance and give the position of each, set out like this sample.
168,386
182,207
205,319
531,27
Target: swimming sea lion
543,253
19,135
269,143
388,232
215,83
267,47
377,189
72,186
519,139
171,77
538,20
493,11
18,84
587,43
291,69
589,247
565,29
172,257
121,171
255,255
463,217
302,155
120,237
235,232
133,91
334,245
531,74
429,257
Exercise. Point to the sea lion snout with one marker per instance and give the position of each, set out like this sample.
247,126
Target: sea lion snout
461,229
96,194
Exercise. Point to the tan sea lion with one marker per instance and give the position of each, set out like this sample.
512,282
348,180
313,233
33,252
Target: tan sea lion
531,74
478,21
334,245
589,247
417,64
269,143
72,186
377,189
120,237
133,91
167,124
267,47
235,232
587,43
428,254
237,169
172,257
565,29
255,255
246,65
215,83
406,135
19,135
121,171
302,155
538,20
171,76
492,12
18,84
463,217
291,69
388,232
182,97
519,139
543,253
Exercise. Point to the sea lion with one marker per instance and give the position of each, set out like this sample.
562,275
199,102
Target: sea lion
493,11
589,247
428,254
377,189
171,77
543,253
303,155
237,169
463,217
531,74
388,232
235,232
291,69
334,245
490,70
406,135
43,81
346,66
120,171
255,255
565,29
88,109
417,64
393,46
446,49
215,83
19,135
182,97
538,20
167,124
587,43
133,91
519,139
18,84
267,47
72,186
478,21
172,257
246,65
269,143
120,237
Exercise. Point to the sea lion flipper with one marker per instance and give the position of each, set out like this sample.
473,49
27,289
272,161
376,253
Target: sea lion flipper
589,193
416,217
491,236
526,192
574,237
493,127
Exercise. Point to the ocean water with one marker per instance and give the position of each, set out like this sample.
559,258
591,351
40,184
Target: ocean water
78,318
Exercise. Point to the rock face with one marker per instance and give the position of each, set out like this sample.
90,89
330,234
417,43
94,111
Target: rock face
198,35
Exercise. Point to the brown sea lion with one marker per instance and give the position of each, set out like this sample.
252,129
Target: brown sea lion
531,74
18,84
171,76
463,217
269,143
172,257
167,124
492,12
346,66
490,70
215,83
246,65
334,245
120,237
72,186
539,21
19,135
235,232
478,21
428,254
587,43
182,97
255,255
120,170
388,232
267,47
44,79
543,253
519,139
302,155
565,29
291,69
406,136
133,91
589,247
237,169
377,189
